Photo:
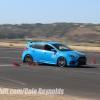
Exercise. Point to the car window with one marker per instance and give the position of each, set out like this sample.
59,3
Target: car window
37,46
48,47
62,47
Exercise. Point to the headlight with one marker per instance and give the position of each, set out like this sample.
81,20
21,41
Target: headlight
71,56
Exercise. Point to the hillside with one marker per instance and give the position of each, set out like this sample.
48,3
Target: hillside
79,32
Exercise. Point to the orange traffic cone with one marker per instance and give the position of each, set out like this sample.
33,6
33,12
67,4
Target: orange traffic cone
28,64
15,64
36,64
93,61
31,64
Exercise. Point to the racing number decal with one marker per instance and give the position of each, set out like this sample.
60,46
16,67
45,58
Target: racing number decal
53,56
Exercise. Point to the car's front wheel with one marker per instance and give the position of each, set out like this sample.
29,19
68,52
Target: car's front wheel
62,62
28,59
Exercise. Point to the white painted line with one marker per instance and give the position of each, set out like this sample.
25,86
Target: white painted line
13,80
93,64
10,58
10,51
6,65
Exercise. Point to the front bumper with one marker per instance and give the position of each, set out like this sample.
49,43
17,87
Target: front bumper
78,61
82,60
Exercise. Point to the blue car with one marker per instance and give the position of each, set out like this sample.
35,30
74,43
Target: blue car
52,53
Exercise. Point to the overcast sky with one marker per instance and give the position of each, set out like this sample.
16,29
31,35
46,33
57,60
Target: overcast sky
49,11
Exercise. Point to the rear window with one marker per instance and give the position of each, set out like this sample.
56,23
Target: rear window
37,46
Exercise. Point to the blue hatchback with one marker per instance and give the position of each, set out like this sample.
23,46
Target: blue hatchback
52,53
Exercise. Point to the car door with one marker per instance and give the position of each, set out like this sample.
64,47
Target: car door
37,52
49,56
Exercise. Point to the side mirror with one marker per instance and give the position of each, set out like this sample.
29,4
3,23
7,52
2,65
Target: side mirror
53,50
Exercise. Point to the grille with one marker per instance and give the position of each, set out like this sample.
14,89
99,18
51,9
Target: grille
81,59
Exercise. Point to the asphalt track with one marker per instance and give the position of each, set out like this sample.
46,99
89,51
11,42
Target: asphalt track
82,82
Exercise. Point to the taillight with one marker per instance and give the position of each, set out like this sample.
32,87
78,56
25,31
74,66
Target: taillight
25,48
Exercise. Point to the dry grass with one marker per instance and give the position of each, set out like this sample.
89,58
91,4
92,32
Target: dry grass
86,48
82,31
80,48
4,44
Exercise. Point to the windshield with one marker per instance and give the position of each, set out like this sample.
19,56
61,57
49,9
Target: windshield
62,47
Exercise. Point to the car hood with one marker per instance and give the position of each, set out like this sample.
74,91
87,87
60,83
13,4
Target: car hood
74,53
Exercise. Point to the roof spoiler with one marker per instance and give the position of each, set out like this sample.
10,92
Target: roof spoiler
29,43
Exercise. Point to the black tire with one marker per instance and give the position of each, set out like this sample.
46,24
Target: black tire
28,59
62,62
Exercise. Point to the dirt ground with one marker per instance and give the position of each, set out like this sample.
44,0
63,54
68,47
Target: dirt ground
6,94
37,97
81,48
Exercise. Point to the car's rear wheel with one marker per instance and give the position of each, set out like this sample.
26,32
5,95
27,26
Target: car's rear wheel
28,59
62,62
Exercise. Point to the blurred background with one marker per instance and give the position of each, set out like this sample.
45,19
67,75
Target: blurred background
72,22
